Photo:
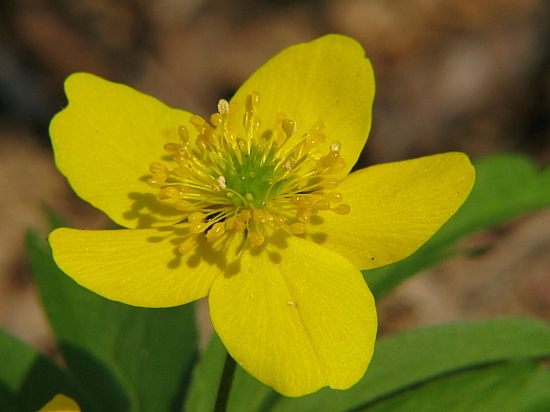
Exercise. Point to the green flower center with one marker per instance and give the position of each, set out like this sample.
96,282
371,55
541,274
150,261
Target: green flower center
246,179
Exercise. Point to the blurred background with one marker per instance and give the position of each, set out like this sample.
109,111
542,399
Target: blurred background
469,75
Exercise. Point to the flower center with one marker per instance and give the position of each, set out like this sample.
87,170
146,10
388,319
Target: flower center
248,180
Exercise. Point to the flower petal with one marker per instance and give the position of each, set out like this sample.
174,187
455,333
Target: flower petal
297,318
328,80
104,142
61,403
395,208
138,267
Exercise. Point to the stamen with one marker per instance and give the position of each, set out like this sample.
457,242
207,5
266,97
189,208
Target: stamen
289,127
256,238
297,228
223,107
231,179
342,209
196,217
333,197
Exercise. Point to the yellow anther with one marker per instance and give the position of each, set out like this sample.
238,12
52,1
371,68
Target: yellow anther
337,168
296,199
303,215
156,167
249,180
335,146
312,141
297,228
169,192
240,226
180,158
183,205
331,159
223,107
256,238
314,197
289,127
342,209
198,122
202,143
210,134
252,101
154,182
216,119
305,202
162,175
322,205
181,172
196,217
333,197
172,148
329,183
244,215
317,126
215,232
217,229
187,246
198,227
183,133
231,222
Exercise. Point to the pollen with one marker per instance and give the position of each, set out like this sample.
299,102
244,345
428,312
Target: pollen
231,177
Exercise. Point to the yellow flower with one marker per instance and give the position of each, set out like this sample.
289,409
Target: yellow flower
61,403
254,208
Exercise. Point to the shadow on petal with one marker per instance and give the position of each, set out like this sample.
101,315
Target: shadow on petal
146,208
319,238
223,255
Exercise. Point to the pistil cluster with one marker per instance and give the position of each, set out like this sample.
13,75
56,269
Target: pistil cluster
248,179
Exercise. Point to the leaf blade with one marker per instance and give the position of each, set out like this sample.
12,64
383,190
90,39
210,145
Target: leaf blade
407,359
113,349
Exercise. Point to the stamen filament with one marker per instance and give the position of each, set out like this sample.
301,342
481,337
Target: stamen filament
251,183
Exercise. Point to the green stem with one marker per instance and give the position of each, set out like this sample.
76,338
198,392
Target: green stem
225,384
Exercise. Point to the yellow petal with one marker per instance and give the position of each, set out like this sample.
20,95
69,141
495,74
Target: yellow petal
297,318
395,208
328,80
104,142
139,267
61,403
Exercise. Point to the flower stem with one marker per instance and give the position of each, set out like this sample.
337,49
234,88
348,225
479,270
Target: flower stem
225,384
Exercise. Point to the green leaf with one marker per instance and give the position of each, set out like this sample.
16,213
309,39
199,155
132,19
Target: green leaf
523,386
506,186
29,379
206,378
129,358
247,393
405,360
